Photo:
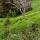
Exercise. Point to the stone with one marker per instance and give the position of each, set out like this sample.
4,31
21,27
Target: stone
19,6
23,5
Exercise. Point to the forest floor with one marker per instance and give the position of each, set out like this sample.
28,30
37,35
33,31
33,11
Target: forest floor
22,22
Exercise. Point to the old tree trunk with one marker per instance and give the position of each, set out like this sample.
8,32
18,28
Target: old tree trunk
18,5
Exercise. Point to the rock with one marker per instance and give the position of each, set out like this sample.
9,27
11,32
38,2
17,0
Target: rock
23,5
19,6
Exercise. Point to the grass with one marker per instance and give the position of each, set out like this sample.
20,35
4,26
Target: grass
22,25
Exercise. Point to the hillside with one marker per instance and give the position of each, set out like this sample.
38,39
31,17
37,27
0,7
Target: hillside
23,27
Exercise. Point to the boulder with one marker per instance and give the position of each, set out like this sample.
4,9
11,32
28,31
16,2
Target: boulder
18,5
23,5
